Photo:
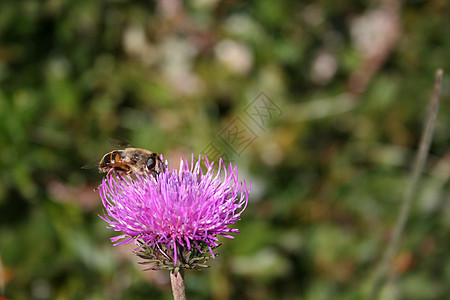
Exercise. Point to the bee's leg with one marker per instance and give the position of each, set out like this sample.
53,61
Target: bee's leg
109,172
120,171
115,170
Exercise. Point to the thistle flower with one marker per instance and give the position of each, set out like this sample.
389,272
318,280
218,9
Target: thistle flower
176,217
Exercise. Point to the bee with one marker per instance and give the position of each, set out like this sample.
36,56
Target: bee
131,160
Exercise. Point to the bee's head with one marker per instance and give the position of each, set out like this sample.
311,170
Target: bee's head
154,164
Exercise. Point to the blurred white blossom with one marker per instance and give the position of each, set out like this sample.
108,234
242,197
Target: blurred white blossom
235,56
323,68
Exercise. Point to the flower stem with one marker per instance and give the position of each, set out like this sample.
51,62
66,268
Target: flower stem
177,281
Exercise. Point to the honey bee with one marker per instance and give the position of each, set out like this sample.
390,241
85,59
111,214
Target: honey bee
130,160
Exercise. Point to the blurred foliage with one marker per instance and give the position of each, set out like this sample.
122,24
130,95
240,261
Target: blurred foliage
351,79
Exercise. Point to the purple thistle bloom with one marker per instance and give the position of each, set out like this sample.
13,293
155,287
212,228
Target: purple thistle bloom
178,211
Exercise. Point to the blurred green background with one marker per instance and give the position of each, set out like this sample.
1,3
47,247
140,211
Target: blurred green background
346,86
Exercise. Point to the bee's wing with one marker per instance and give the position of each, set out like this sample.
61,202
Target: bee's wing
118,142
91,165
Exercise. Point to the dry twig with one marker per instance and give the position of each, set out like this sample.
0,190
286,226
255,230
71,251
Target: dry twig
382,272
